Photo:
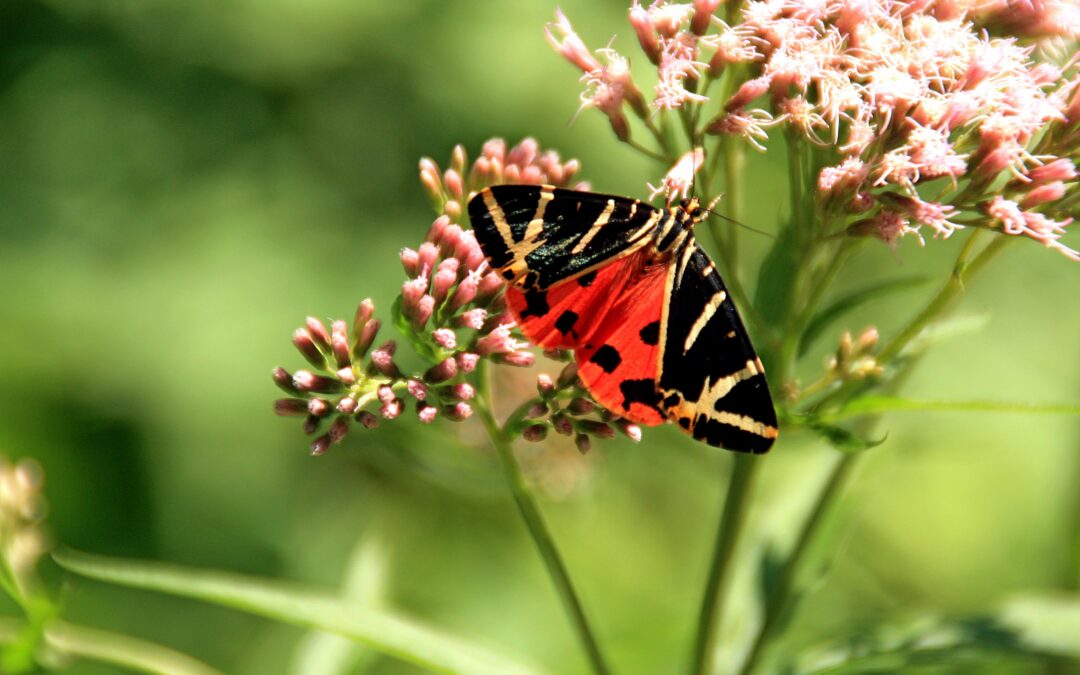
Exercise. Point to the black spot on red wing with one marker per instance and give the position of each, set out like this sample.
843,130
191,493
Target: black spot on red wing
607,357
566,321
650,334
530,279
585,280
536,304
640,391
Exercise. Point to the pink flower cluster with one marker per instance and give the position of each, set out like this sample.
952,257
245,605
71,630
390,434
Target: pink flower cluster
907,97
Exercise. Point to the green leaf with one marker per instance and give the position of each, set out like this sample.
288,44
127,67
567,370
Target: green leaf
774,284
1044,628
848,302
385,631
880,404
944,330
405,328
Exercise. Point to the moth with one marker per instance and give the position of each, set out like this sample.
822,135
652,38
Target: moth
627,287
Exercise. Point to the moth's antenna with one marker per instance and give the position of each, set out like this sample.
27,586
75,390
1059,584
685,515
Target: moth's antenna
709,210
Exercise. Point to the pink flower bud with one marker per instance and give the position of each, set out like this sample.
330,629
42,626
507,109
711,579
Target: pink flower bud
536,410
495,148
338,429
544,384
424,311
468,250
520,359
367,419
474,318
646,35
454,184
429,250
562,37
467,361
458,158
283,380
535,433
749,91
364,311
385,393
367,337
581,406
411,293
383,359
320,445
339,340
318,333
347,405
304,344
319,407
490,284
290,407
391,409
311,424
442,371
598,429
1042,194
444,279
631,430
445,338
346,375
427,413
703,12
458,412
416,389
463,391
568,375
305,380
466,292
583,443
410,260
1061,169
562,424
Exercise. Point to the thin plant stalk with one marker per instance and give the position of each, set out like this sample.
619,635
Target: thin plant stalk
502,438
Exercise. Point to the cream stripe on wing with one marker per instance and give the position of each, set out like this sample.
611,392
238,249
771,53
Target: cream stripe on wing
601,220
499,218
703,319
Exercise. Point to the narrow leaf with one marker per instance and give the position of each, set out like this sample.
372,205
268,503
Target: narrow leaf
852,300
387,632
880,404
842,439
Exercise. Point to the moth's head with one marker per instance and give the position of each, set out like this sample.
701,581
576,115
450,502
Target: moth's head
694,209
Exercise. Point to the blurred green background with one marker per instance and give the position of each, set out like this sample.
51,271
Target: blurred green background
182,182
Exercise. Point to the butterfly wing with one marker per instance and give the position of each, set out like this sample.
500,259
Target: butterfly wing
539,235
711,382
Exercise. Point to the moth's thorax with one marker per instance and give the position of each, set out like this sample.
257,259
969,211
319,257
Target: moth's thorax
674,229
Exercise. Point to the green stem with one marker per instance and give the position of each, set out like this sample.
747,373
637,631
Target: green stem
784,596
121,650
732,519
502,438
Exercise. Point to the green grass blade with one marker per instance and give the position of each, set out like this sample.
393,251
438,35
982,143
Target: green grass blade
387,632
882,404
852,300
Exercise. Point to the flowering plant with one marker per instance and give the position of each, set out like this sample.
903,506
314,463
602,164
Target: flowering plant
900,121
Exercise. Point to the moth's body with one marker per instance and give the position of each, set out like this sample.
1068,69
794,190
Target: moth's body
627,287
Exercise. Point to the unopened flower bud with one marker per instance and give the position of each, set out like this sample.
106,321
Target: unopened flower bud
445,338
416,389
466,291
1042,194
581,406
629,429
367,337
385,393
598,429
290,407
750,90
467,361
339,341
410,260
304,344
536,410
311,424
562,424
338,429
535,433
458,158
364,311
318,407
423,311
868,339
347,405
444,279
391,409
583,443
411,293
426,413
346,375
318,332
442,371
383,359
567,376
646,34
305,380
519,358
367,419
1061,169
490,284
454,184
474,318
462,392
544,384
320,445
283,380
703,12
458,412
429,250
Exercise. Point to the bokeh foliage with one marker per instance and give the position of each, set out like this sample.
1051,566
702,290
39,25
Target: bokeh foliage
181,182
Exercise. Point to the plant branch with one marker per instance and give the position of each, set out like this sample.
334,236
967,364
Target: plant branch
502,438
